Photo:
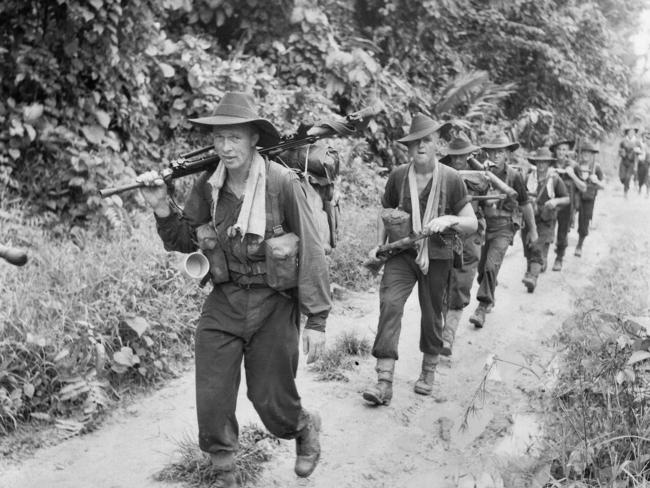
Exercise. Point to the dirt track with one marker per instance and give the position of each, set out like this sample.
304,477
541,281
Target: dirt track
415,442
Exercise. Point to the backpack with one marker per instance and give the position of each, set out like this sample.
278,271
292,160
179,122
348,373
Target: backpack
317,165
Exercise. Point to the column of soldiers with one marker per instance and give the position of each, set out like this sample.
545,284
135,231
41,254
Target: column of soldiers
467,213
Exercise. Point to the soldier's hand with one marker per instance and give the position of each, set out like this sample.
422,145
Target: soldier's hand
313,344
569,171
154,191
594,179
532,237
440,224
372,254
550,204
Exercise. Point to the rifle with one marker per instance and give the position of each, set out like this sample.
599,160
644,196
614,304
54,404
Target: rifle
189,163
495,181
14,256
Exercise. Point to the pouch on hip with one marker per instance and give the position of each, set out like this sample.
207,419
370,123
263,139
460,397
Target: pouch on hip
397,223
208,242
282,261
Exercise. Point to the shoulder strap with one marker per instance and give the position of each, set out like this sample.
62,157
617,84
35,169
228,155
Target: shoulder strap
274,176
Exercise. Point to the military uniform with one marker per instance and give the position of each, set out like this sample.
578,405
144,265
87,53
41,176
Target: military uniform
628,151
587,197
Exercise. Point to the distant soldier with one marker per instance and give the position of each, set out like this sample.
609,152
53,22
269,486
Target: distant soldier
566,169
550,194
628,150
644,163
432,198
591,173
458,152
502,221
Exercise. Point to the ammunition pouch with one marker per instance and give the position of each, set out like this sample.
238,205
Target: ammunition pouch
397,223
282,261
208,243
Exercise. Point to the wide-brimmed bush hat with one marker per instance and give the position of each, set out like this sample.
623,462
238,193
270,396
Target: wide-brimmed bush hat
568,142
500,141
422,126
588,147
237,108
458,146
542,154
630,127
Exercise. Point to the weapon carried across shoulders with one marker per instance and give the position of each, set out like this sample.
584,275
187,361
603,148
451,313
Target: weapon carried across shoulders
201,160
505,190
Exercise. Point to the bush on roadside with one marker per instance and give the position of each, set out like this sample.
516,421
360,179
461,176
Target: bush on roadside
86,319
600,416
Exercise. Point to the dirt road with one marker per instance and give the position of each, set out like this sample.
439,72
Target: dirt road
416,441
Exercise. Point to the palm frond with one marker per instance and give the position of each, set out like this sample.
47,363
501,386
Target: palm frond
459,89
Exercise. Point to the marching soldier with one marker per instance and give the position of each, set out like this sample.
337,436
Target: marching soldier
591,173
430,198
550,194
236,214
628,150
566,169
458,152
644,164
502,221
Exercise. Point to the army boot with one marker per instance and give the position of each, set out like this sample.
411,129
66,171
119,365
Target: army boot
382,392
424,384
557,265
223,466
449,332
478,317
308,446
531,280
578,251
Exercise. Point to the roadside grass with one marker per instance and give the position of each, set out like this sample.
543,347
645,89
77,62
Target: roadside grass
598,417
193,468
342,356
88,319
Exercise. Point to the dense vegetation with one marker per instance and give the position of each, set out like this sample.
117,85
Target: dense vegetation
94,88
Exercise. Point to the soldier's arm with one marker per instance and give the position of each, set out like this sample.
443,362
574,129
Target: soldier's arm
529,217
178,231
579,184
313,272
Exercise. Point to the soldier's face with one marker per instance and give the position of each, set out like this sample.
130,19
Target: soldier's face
542,167
498,156
235,145
458,162
423,150
562,152
587,157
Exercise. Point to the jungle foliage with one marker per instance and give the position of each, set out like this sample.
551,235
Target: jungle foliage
95,89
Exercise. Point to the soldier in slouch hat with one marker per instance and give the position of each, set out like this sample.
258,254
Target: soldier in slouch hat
237,214
433,199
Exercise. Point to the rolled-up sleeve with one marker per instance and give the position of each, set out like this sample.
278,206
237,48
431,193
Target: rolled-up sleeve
313,273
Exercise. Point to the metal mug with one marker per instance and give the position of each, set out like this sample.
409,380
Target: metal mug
195,266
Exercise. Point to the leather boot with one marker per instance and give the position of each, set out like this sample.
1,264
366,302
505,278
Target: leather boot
308,446
382,392
557,265
578,251
449,332
223,465
478,317
424,384
531,280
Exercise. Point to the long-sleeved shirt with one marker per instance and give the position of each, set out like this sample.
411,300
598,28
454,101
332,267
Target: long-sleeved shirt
178,233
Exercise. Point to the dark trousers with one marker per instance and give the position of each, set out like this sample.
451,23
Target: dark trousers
564,216
584,217
268,344
642,175
537,252
625,172
461,279
401,273
497,241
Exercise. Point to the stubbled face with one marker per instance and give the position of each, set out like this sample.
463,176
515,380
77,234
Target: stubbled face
423,150
629,133
586,158
235,145
458,162
562,154
542,167
498,157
